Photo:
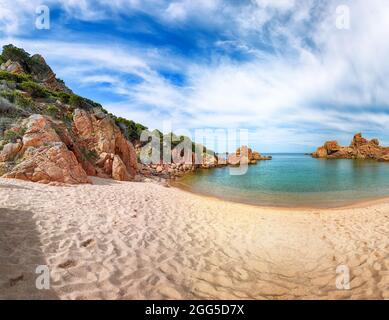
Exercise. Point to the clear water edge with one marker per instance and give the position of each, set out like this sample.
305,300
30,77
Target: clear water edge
295,180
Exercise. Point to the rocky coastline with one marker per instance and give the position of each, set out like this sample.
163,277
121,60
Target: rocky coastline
50,135
359,148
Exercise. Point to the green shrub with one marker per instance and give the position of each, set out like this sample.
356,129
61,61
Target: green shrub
34,89
89,155
133,130
62,96
11,136
75,101
2,59
52,110
23,101
19,78
15,54
68,118
92,103
9,95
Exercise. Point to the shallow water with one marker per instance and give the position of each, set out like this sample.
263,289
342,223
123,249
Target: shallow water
295,180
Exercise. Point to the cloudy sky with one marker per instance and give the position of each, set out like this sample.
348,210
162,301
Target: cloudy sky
283,69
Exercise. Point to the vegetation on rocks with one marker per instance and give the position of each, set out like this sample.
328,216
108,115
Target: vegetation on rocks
18,78
10,52
59,136
34,89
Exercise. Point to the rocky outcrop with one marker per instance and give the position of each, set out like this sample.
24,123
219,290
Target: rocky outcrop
360,148
49,151
10,151
119,170
99,134
12,66
210,161
245,155
52,162
40,71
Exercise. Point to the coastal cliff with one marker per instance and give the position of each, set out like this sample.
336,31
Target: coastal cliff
48,134
360,148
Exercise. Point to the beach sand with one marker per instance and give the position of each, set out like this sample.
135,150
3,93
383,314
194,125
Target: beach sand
127,240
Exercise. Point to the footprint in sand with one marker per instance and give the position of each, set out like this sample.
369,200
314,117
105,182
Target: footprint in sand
67,264
14,281
87,243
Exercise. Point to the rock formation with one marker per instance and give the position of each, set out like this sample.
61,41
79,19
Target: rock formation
50,135
360,148
48,151
41,72
98,134
245,155
12,66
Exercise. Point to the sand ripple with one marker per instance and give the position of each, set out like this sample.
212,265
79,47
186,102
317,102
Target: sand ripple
117,240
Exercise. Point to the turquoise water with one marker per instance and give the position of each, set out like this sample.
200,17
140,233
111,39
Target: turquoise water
296,180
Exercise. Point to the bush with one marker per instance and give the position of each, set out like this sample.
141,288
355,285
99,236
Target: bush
132,130
12,136
9,95
34,89
23,101
5,106
68,118
62,96
92,103
19,78
52,110
89,155
5,123
15,54
75,101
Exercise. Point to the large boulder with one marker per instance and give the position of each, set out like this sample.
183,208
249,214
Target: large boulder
38,131
12,66
50,163
321,152
49,151
101,135
332,147
119,170
209,161
245,155
358,141
10,151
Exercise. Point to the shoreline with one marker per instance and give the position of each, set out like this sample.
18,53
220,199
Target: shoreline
353,204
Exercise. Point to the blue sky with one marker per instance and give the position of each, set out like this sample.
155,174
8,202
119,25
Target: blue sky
281,69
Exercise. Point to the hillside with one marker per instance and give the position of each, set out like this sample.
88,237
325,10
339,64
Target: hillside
50,134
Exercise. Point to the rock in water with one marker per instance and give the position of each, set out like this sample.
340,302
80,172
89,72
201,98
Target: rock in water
360,148
245,155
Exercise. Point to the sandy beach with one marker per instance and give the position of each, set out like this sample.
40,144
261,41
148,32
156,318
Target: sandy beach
128,240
